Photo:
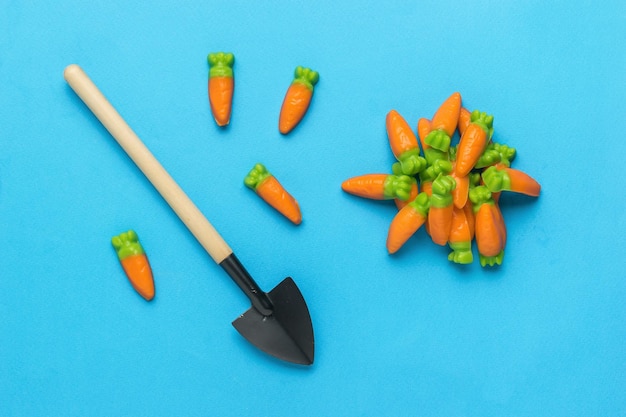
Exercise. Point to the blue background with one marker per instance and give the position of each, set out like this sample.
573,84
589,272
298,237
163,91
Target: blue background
411,334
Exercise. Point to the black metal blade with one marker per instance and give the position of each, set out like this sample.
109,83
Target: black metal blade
287,333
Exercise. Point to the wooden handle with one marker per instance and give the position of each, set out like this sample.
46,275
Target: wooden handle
153,170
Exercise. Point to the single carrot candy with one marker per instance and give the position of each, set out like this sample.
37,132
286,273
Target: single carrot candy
441,207
444,123
488,230
297,99
380,186
221,86
404,144
473,142
407,221
502,178
272,192
135,263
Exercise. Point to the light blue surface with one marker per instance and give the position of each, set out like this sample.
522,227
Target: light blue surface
395,335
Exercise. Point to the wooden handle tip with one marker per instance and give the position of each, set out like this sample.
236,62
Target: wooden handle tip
71,71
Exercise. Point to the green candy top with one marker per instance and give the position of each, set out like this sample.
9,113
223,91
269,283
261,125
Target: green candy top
411,163
483,120
442,191
127,244
496,153
256,176
480,195
221,64
306,76
398,186
439,140
496,180
421,204
436,168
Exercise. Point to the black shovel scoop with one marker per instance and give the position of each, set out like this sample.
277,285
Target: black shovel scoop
278,322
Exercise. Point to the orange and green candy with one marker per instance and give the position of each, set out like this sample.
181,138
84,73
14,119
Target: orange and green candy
135,263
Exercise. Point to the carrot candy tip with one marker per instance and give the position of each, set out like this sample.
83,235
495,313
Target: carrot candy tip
135,263
272,192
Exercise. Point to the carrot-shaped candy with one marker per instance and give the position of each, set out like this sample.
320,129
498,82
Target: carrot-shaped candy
407,221
488,231
273,193
221,86
444,123
461,235
502,178
380,186
404,144
441,206
297,99
135,263
473,142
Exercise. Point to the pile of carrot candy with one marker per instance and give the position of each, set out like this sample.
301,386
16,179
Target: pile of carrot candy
451,190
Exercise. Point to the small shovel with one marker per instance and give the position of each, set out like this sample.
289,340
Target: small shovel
278,322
